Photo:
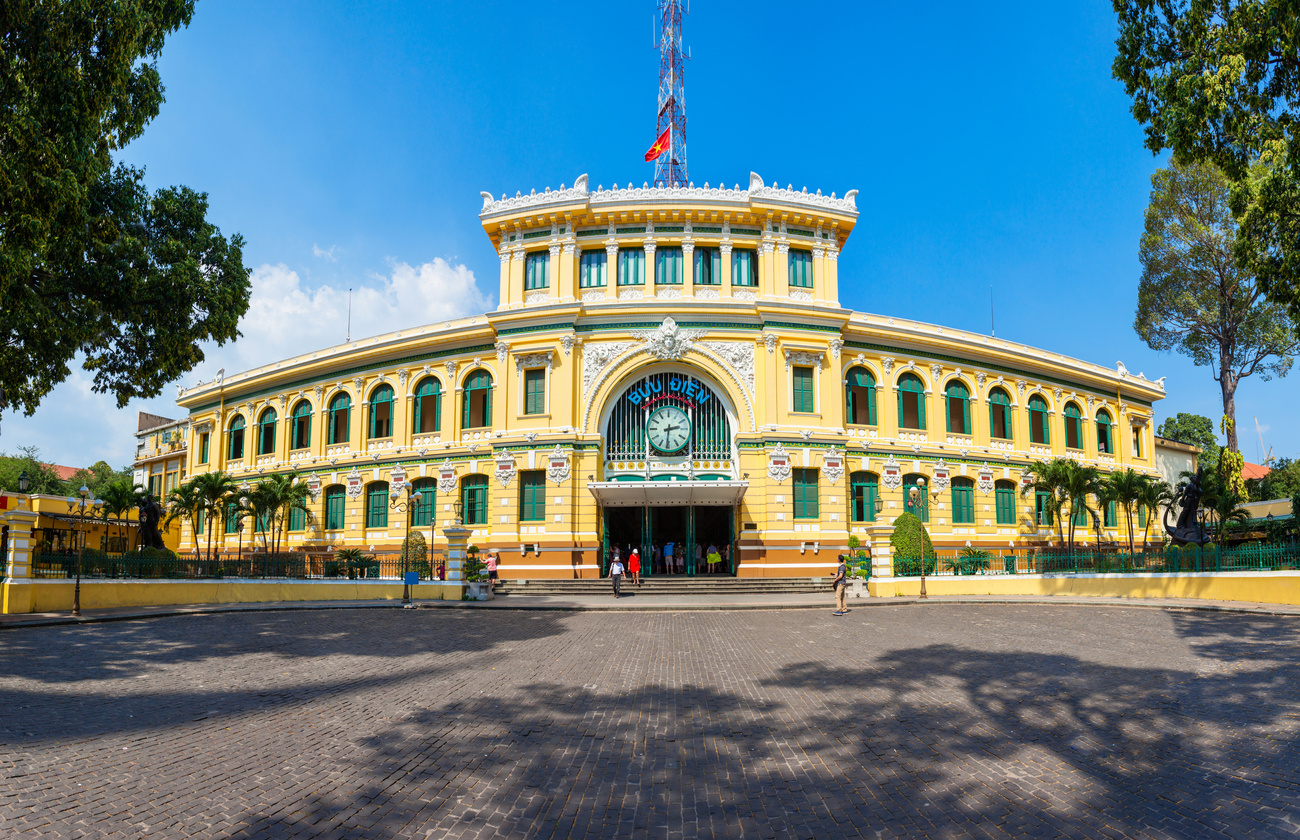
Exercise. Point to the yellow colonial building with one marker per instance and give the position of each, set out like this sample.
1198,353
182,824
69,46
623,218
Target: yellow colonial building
671,366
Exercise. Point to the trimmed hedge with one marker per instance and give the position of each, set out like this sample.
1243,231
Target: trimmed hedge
910,538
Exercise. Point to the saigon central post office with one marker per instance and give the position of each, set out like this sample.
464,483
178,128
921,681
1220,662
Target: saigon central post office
670,365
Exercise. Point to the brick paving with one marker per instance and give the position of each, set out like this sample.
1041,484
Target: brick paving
952,721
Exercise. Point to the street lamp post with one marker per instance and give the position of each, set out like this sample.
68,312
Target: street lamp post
80,505
23,482
404,507
916,493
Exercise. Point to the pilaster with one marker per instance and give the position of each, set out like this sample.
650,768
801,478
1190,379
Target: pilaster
688,267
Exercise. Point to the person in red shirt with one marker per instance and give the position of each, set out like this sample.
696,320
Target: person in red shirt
634,566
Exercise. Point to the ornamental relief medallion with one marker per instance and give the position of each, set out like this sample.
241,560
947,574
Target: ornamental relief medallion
738,355
597,357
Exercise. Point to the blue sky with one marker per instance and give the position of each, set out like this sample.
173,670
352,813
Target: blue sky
348,143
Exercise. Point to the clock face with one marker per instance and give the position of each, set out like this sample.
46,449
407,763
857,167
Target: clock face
668,428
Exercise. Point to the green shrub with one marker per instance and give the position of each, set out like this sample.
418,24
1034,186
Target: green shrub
333,568
415,550
910,540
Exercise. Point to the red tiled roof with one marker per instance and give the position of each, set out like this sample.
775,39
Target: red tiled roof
1251,472
64,473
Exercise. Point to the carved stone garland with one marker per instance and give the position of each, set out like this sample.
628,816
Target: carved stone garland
778,464
557,465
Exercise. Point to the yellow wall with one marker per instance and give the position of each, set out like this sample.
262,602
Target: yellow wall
1259,587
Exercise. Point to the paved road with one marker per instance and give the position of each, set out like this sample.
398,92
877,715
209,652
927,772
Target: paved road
982,721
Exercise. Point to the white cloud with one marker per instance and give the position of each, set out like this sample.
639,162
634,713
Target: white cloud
285,318
318,251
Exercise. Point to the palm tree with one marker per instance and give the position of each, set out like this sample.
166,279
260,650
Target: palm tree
1124,488
1045,477
185,503
1154,493
1077,483
259,503
213,489
120,498
284,494
1223,506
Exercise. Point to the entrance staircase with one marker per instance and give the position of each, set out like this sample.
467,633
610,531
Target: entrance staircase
703,585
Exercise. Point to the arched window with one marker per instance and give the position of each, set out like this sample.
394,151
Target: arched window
1103,433
266,433
377,504
963,501
922,507
864,489
422,512
340,407
473,498
300,426
999,414
958,400
860,397
911,402
477,402
1073,427
1004,493
1038,428
236,449
428,406
381,412
335,499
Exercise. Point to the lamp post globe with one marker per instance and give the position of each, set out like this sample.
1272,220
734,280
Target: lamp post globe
23,482
916,493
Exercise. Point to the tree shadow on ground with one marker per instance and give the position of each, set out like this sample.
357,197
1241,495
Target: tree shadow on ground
938,740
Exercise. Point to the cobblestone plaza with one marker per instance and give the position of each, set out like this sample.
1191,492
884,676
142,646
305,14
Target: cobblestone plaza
895,721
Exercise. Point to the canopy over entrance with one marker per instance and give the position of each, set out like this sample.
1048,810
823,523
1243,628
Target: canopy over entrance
668,493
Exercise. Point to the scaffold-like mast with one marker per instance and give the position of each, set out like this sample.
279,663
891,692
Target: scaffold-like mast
670,168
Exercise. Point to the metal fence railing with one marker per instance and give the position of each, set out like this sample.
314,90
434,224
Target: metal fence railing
1209,558
256,565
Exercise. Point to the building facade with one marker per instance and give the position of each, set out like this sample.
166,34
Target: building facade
161,459
670,366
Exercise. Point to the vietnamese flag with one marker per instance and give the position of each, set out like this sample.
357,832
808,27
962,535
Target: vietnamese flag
660,146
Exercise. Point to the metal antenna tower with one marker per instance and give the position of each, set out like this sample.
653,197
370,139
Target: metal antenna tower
670,168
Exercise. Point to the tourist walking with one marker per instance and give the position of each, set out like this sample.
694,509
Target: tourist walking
491,564
616,574
656,559
699,559
841,584
634,566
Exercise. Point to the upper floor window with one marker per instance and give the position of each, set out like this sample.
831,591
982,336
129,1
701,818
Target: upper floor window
1039,431
377,504
339,409
532,495
668,266
1103,433
428,406
474,501
1004,493
535,267
804,395
266,433
805,494
801,275
591,269
911,402
203,448
958,400
1137,441
476,406
864,489
744,267
860,397
708,267
999,414
300,426
236,437
963,501
381,412
335,502
535,391
631,266
1073,427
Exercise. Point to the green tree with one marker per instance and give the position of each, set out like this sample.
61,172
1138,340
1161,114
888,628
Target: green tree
99,477
213,490
279,496
1193,299
184,503
1154,495
1282,481
1047,477
91,262
1124,488
1077,484
1222,506
120,498
41,476
1196,430
1219,82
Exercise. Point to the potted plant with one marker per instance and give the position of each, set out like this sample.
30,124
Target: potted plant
477,587
859,568
357,563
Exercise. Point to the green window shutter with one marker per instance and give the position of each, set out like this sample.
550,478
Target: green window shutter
1112,517
297,519
1142,516
593,269
201,522
474,499
532,496
203,448
535,269
377,505
1006,504
805,494
965,415
948,414
963,503
1081,517
535,391
803,390
920,409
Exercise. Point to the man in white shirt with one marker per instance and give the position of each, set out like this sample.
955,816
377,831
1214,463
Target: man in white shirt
616,574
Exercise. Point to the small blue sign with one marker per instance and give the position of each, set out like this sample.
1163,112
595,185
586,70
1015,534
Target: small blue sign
412,578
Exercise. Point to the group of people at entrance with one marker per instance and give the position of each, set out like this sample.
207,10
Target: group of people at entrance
670,559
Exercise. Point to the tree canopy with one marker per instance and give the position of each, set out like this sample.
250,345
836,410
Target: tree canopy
91,263
1282,481
42,477
1219,82
1194,299
98,477
1196,430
